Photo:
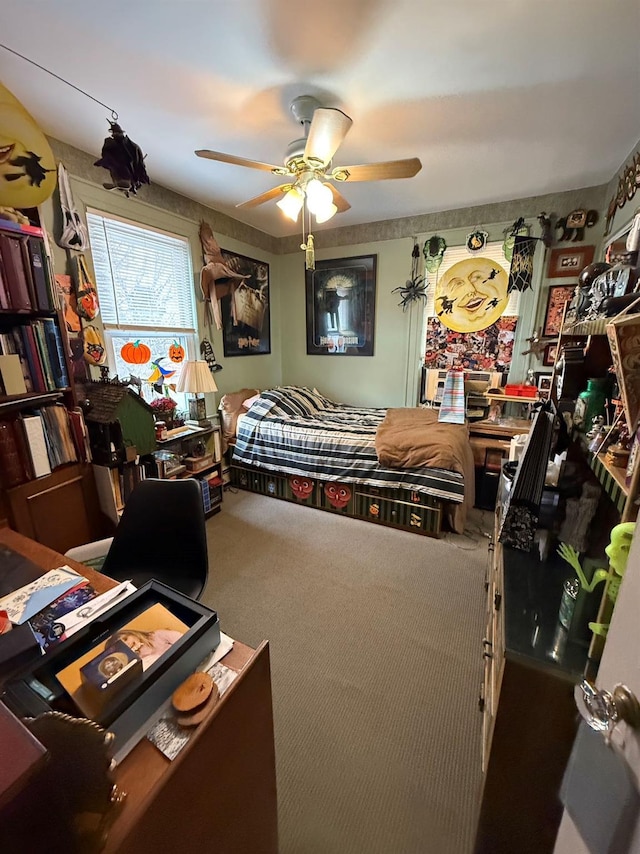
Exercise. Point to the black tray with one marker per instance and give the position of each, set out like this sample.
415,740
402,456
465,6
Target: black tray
129,715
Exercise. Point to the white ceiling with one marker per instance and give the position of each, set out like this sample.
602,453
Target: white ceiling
500,99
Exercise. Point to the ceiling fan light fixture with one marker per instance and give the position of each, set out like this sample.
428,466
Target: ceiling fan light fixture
326,212
319,197
291,203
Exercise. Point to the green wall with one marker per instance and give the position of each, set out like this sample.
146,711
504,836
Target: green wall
163,209
391,376
388,378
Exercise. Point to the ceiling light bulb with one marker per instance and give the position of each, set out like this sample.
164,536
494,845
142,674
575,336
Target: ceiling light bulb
318,196
326,212
291,203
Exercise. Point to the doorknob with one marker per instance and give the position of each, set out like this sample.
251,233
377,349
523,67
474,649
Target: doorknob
603,710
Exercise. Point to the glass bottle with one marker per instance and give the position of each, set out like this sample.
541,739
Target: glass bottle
591,403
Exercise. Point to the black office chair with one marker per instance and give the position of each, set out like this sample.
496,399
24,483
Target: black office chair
161,535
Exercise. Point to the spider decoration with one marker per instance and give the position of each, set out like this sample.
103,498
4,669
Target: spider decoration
414,288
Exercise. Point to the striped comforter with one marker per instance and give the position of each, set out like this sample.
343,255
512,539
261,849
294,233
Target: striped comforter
298,431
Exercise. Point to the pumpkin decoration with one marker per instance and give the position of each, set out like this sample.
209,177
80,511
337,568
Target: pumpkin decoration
176,352
135,353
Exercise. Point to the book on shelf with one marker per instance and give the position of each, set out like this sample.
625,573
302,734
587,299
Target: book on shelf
37,444
16,273
43,355
39,266
33,359
55,351
80,434
5,299
13,380
17,343
13,468
58,435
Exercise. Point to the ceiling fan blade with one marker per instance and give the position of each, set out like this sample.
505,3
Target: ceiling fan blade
273,193
328,128
239,161
338,199
378,171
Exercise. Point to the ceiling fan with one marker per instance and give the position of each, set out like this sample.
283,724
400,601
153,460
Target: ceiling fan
308,166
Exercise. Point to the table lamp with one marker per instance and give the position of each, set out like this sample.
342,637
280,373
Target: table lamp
196,379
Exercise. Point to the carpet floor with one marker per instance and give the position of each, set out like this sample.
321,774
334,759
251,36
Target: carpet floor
375,638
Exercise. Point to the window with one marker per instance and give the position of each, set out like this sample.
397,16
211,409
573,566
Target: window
145,285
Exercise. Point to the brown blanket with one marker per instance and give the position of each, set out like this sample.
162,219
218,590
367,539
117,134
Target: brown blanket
413,437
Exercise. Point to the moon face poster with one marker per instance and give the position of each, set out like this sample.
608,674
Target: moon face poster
472,317
471,295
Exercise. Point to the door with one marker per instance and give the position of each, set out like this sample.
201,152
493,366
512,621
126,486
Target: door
620,663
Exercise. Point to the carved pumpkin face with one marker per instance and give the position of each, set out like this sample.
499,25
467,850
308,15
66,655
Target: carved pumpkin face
338,494
135,353
302,487
176,352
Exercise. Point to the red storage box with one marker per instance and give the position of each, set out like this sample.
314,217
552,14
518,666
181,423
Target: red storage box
520,391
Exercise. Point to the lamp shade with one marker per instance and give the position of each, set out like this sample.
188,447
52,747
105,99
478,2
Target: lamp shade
291,203
196,378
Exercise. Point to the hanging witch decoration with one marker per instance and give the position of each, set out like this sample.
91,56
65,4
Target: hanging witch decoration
124,161
415,287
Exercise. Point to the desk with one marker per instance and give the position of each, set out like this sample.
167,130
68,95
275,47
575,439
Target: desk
219,794
490,442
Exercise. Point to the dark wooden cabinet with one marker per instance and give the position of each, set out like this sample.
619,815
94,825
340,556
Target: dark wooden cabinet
529,716
59,510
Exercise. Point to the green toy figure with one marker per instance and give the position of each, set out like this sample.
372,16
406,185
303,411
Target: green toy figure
618,553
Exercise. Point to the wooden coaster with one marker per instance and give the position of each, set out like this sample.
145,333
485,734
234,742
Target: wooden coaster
194,691
194,718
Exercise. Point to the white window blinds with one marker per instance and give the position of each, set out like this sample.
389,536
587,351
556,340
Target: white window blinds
144,276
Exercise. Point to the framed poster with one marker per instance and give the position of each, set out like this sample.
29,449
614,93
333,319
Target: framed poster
341,301
569,262
558,295
246,326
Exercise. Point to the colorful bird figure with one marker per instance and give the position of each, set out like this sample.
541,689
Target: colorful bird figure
159,375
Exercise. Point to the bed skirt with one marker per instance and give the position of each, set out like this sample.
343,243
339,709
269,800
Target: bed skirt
397,508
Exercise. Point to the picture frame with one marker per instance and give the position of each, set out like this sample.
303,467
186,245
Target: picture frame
550,354
246,317
340,306
544,381
570,261
557,296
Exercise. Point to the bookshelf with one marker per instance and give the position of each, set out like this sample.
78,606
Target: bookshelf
204,467
44,455
175,458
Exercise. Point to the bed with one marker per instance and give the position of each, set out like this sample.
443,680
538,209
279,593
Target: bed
396,467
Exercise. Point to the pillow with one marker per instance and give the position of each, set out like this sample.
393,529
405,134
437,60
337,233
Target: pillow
248,403
323,402
230,406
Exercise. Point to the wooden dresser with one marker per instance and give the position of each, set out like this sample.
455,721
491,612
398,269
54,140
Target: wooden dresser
529,716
